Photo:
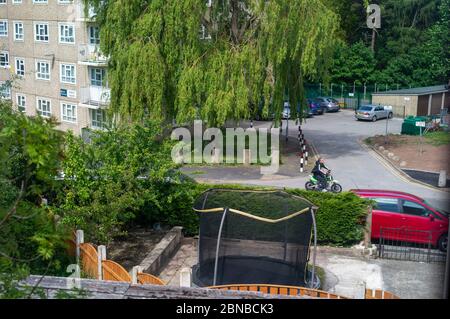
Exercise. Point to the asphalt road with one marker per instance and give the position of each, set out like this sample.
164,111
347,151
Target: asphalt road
336,137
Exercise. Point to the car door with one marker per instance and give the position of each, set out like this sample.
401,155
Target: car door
423,224
386,215
379,112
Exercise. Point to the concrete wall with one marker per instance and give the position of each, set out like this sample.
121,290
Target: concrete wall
400,106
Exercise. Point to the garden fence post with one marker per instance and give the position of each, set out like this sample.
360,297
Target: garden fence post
79,241
101,255
134,274
186,277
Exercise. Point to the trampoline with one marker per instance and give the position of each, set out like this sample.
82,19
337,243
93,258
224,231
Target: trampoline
254,237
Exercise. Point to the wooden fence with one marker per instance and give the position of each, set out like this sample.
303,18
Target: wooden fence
281,290
94,264
301,291
380,294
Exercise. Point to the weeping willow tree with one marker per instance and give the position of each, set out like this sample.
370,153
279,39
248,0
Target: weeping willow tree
185,60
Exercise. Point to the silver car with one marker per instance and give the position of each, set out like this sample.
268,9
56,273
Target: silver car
328,104
373,113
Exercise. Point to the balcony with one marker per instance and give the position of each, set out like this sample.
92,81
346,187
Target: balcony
84,16
95,97
89,54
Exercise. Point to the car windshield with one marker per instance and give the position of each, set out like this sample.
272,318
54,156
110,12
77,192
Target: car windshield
365,108
441,211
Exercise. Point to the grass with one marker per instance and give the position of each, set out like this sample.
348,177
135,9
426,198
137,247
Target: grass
438,138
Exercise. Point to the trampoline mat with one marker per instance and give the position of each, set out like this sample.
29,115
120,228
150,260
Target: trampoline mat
248,270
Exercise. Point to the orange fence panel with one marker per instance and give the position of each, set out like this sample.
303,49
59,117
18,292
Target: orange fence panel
147,279
112,271
281,290
380,294
89,260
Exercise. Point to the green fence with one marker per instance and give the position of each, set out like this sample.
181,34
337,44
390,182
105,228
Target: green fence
349,96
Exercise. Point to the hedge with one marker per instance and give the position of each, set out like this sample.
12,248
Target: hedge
340,219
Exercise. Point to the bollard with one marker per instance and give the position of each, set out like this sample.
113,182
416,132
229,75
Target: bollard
302,164
251,124
442,179
306,158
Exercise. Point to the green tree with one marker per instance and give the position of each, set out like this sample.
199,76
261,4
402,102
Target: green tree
31,240
249,53
116,178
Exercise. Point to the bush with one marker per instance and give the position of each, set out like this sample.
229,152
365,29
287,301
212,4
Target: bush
340,219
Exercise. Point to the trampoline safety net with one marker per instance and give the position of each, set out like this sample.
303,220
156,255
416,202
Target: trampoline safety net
253,237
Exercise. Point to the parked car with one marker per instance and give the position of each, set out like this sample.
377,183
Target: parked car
398,210
373,113
287,111
328,104
315,107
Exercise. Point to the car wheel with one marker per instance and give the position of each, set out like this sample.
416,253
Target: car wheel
374,119
391,115
442,243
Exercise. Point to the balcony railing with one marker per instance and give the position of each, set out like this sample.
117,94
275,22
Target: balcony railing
90,54
95,97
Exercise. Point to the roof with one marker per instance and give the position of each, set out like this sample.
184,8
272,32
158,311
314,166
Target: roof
386,192
417,91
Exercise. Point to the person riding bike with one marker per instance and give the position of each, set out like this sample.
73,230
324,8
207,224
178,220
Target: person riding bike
320,172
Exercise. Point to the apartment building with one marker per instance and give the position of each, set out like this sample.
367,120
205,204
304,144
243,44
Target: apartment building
49,49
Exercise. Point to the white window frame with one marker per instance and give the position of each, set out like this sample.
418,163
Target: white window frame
16,38
6,32
62,37
63,76
7,59
23,98
41,23
37,71
49,104
16,60
66,118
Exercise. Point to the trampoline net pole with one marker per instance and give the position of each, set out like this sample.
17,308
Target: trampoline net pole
218,246
315,247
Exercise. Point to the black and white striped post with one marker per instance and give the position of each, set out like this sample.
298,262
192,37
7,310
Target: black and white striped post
306,157
251,123
302,164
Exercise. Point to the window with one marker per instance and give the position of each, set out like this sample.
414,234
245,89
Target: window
21,101
69,112
387,205
20,66
18,31
66,33
40,1
16,1
97,76
4,59
41,32
5,90
98,118
94,35
412,208
42,70
3,28
68,73
44,108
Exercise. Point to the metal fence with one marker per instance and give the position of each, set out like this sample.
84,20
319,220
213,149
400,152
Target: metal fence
409,245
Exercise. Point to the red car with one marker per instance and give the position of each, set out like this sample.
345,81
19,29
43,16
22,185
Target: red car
398,210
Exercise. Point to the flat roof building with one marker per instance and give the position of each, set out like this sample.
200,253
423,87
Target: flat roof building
422,101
